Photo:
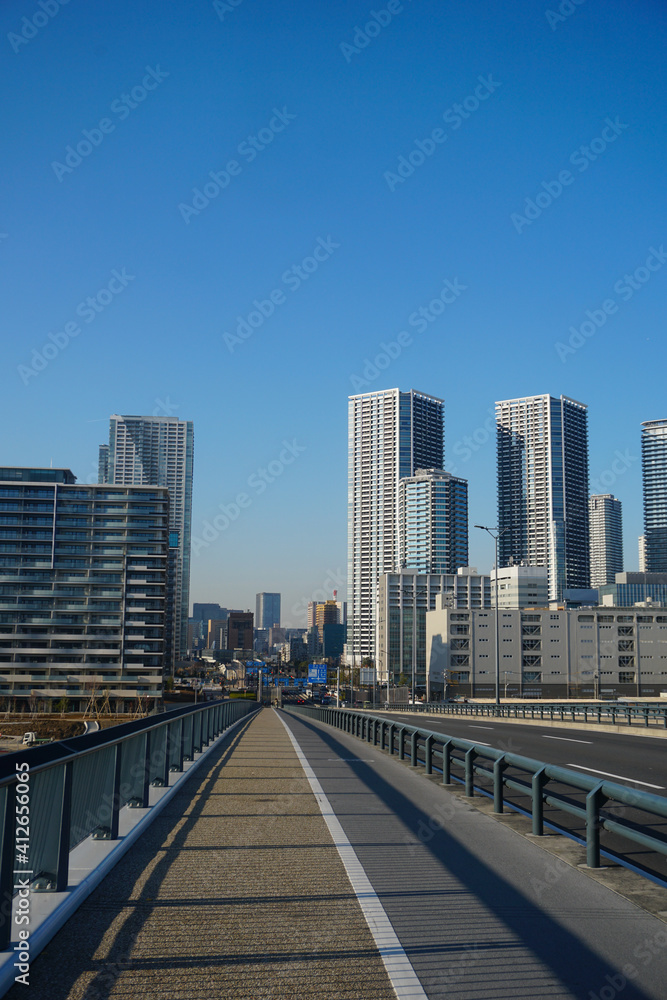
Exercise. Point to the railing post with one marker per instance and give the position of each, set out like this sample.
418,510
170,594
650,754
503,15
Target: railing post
401,742
499,766
446,763
469,772
538,782
62,862
594,802
147,770
413,748
115,793
392,730
428,755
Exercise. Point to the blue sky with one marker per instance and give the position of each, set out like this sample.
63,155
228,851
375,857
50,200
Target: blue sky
534,199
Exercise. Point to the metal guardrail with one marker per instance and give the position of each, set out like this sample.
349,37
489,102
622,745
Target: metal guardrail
53,797
604,805
630,715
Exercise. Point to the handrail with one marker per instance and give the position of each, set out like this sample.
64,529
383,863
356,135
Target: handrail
492,763
592,713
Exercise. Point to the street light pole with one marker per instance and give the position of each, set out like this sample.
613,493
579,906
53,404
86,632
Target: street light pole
495,539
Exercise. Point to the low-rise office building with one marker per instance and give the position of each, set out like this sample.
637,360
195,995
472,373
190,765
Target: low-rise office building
547,653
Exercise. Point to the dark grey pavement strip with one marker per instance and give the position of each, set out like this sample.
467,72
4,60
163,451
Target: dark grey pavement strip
236,891
481,912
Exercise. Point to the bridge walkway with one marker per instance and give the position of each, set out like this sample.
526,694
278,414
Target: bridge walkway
238,890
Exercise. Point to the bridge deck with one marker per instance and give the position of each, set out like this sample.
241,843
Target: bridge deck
239,891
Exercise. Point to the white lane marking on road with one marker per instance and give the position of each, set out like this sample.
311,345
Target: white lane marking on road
403,977
481,727
566,739
607,774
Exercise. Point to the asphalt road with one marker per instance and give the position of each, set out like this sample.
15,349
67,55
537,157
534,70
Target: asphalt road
482,913
639,761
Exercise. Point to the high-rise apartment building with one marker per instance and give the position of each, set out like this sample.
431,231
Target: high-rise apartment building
83,572
433,522
391,434
606,534
543,488
654,475
267,610
159,451
240,632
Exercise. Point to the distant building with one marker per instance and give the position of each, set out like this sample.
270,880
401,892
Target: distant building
654,475
606,535
391,434
205,612
240,631
267,610
520,587
403,600
216,633
159,451
83,591
433,522
635,588
642,553
547,653
543,488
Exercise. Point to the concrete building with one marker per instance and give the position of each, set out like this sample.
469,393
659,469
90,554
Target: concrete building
391,434
585,653
433,522
543,488
267,610
635,588
403,600
83,574
216,633
606,538
520,587
240,631
159,451
654,476
641,545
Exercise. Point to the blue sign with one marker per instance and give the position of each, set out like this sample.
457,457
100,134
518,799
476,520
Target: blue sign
317,673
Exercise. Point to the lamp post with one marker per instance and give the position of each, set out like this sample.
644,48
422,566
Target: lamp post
495,539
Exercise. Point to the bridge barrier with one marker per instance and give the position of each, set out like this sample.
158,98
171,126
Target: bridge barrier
647,715
605,802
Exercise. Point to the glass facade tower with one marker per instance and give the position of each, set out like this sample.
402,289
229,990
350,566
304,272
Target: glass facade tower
543,488
267,610
654,475
433,522
391,434
159,451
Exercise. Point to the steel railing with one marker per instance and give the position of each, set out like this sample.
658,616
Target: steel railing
603,808
630,715
54,796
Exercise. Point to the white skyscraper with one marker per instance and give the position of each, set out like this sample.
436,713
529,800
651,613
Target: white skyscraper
159,451
391,434
606,531
543,488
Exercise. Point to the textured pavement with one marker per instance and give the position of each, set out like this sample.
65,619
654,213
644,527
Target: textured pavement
235,891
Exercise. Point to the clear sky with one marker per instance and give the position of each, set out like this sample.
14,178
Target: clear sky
257,197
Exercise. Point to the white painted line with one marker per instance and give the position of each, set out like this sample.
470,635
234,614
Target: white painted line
402,976
482,727
581,767
566,739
